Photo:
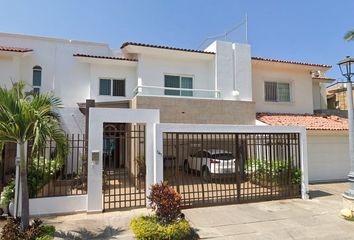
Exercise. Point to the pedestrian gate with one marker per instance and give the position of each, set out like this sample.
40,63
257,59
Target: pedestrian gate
123,165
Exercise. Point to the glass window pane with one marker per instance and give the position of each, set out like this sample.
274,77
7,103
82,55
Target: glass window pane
283,92
172,82
270,91
119,88
187,82
105,87
37,78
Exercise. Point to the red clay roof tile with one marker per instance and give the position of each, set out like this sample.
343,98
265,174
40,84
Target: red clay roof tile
104,57
291,62
163,47
310,121
15,49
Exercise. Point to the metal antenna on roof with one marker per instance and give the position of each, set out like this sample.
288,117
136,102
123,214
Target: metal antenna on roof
227,32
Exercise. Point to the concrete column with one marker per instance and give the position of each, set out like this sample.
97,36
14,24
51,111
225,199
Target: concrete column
154,171
94,168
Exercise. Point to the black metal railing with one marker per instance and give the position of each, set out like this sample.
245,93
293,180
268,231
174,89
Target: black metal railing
50,176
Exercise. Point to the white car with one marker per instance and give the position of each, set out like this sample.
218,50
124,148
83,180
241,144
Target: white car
210,163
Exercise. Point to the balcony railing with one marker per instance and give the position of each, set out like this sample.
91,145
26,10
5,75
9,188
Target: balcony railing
176,92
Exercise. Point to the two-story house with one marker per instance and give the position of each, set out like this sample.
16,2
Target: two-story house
222,84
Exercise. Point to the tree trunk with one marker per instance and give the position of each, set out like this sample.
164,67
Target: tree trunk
24,189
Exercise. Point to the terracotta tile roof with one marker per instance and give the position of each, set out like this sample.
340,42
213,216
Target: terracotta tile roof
163,47
310,121
291,62
15,49
324,78
104,57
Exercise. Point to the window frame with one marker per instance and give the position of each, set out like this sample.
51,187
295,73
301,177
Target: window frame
291,89
180,76
37,88
111,86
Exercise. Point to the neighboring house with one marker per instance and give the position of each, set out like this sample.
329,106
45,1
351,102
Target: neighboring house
337,96
222,84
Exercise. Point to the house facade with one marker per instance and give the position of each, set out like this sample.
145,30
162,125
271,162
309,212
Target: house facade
222,84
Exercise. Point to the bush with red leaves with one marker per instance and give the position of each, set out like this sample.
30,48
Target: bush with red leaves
166,203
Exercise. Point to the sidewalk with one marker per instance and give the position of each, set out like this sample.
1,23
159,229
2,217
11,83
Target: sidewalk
317,218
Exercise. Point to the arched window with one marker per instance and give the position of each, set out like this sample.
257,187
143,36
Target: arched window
37,79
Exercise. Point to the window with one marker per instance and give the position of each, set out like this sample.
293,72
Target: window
37,79
112,87
178,82
277,92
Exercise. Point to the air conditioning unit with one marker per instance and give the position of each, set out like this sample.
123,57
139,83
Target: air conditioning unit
316,74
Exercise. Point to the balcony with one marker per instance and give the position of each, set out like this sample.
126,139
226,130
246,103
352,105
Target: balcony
142,90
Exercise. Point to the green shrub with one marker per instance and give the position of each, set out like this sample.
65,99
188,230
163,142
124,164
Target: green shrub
166,202
278,172
148,227
40,172
36,231
7,194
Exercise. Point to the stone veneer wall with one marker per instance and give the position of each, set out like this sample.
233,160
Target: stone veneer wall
198,111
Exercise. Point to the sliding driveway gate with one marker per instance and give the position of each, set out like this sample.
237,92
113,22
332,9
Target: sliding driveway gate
221,168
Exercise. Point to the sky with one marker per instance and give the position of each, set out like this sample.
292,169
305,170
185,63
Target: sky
298,30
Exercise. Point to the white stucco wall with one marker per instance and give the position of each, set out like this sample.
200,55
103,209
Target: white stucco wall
319,95
129,73
300,84
328,154
152,70
61,72
233,70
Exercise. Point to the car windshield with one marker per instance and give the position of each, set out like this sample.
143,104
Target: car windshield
223,156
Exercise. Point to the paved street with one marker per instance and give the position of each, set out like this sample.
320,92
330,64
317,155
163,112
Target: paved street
317,218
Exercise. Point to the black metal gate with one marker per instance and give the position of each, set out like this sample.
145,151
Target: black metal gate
221,168
123,165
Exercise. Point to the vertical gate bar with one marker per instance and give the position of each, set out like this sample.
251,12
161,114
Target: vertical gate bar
287,143
177,164
203,199
238,167
271,163
51,181
225,176
299,155
72,163
130,137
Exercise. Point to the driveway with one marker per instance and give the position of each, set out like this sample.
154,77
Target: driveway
317,218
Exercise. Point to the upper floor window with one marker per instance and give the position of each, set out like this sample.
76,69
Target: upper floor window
112,87
37,79
173,81
277,92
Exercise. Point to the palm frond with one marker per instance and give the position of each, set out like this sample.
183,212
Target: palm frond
349,36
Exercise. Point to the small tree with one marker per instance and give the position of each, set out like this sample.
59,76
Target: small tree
29,117
166,202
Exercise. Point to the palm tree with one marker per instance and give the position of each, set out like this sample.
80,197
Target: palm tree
349,36
29,117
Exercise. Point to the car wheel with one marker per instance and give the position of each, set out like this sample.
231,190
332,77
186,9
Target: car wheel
206,174
186,167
